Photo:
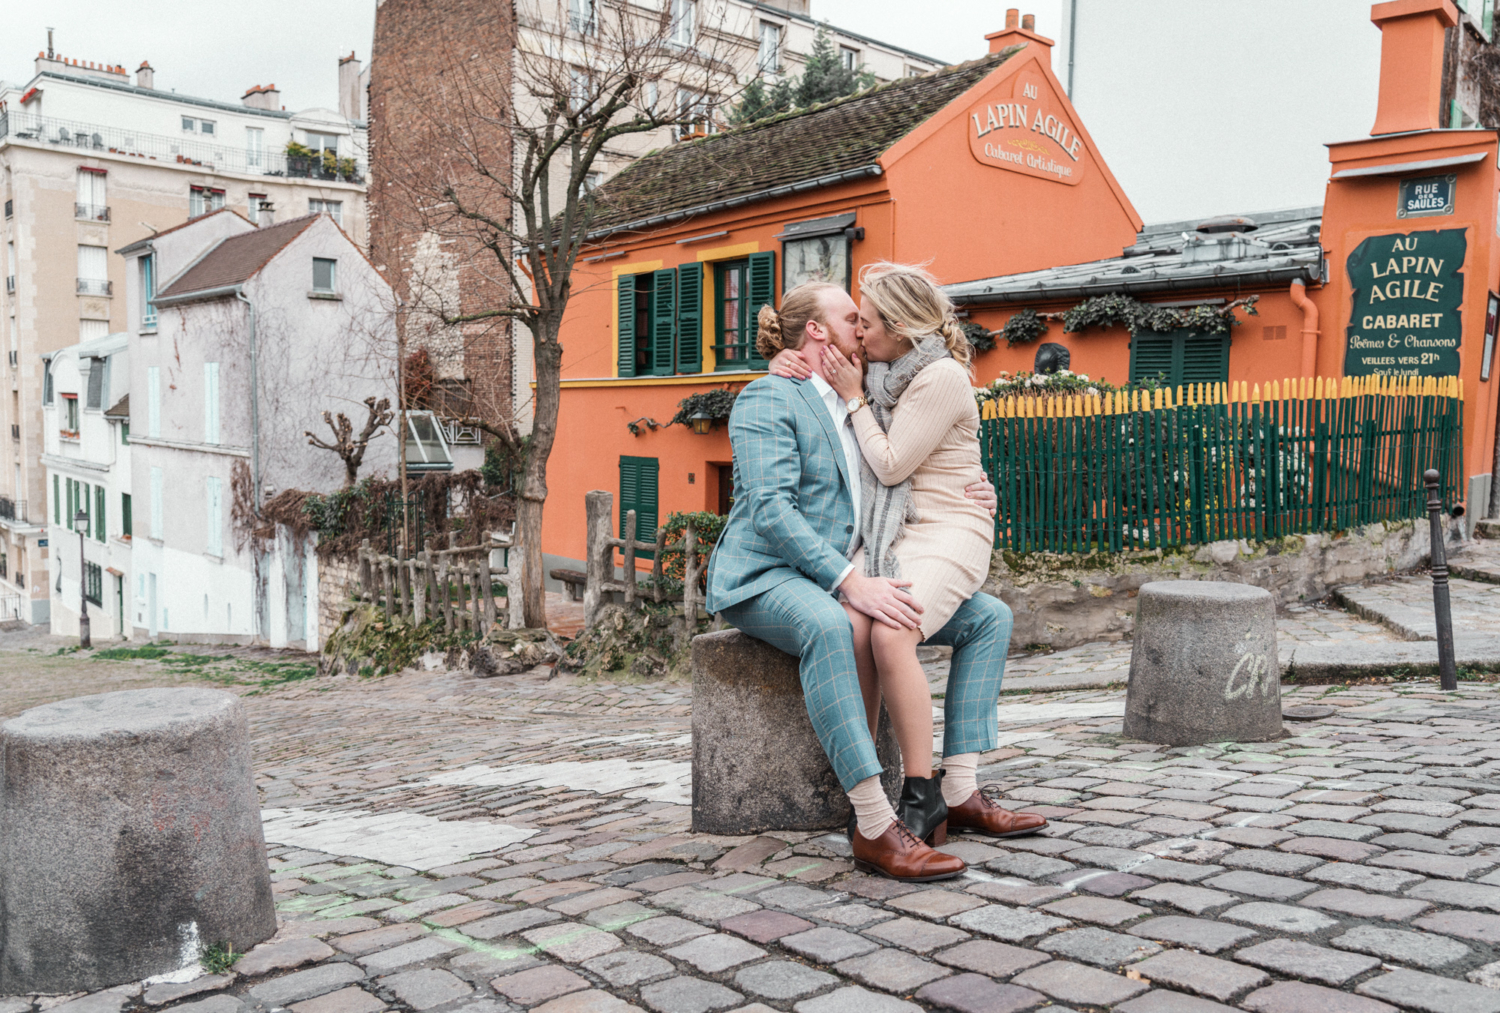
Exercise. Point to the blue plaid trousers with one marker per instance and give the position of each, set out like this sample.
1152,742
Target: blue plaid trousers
805,621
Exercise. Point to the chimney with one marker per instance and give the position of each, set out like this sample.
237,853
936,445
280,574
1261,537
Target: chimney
262,97
1019,30
145,77
1411,63
349,88
267,214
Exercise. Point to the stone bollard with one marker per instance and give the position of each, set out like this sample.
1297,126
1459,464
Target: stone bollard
1203,665
130,839
757,764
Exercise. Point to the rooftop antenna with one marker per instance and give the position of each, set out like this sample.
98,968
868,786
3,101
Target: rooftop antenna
49,43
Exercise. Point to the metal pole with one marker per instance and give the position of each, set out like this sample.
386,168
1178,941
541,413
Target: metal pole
1441,607
84,641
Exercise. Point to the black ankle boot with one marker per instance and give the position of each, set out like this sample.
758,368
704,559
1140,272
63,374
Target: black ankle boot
923,810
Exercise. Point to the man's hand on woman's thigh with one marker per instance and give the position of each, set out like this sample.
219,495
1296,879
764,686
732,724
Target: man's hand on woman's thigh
883,600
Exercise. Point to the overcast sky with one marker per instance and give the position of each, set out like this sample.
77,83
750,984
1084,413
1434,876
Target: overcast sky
1189,126
218,50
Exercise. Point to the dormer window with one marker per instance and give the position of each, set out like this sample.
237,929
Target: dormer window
70,415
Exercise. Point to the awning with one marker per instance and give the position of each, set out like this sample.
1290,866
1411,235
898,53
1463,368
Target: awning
1402,168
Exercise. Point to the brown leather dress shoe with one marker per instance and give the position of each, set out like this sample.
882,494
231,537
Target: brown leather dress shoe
982,814
899,854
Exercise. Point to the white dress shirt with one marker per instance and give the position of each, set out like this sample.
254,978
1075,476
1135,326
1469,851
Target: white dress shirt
838,410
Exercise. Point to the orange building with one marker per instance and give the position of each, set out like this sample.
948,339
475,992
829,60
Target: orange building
985,173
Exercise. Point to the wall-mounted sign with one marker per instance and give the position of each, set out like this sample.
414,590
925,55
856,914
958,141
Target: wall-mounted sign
1030,133
1407,292
41,543
1427,196
1491,317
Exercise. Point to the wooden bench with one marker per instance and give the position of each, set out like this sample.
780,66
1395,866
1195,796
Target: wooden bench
574,579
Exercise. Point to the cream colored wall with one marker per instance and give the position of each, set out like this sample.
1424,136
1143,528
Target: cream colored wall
143,196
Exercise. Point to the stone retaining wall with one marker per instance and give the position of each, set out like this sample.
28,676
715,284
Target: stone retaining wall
337,578
1065,600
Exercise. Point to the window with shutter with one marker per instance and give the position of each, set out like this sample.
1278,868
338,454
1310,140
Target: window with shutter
625,324
99,525
96,384
734,334
638,492
762,292
690,318
1179,357
663,320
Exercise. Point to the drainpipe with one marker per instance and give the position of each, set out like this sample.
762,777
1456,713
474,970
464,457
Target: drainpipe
1072,43
239,294
1309,327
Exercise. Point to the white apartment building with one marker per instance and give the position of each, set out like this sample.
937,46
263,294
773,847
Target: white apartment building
86,406
91,161
240,339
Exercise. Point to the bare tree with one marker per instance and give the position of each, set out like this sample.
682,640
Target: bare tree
351,448
585,77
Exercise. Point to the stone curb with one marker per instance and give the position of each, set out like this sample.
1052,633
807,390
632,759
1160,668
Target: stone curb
1313,662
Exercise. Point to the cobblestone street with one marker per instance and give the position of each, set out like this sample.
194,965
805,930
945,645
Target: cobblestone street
440,842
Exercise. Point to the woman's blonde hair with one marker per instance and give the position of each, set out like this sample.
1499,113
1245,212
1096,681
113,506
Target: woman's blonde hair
912,306
776,331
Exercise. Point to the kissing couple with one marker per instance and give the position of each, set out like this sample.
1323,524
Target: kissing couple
862,527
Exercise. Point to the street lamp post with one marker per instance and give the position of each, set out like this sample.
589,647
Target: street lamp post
79,520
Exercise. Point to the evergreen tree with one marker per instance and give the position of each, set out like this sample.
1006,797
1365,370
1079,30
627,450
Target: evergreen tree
757,102
824,79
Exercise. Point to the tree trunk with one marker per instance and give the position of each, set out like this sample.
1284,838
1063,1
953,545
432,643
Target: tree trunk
548,356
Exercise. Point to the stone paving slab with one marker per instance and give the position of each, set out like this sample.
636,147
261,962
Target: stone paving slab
447,843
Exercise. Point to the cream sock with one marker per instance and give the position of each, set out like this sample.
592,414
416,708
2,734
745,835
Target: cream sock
872,810
960,781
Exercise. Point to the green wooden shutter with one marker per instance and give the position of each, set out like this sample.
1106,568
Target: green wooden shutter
1205,359
663,320
1150,356
125,520
762,293
638,493
99,527
625,324
690,318
56,502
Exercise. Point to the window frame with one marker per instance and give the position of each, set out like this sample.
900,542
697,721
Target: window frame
148,291
722,271
126,521
849,57
683,26
333,275
768,61
70,416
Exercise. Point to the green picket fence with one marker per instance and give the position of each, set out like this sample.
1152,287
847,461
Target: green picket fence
1145,470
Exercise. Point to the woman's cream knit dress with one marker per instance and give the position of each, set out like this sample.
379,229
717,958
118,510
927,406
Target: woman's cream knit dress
934,439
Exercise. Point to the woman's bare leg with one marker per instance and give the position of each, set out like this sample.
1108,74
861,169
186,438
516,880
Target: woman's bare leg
908,698
864,664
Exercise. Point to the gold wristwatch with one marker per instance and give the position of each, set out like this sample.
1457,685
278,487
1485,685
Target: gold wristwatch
856,404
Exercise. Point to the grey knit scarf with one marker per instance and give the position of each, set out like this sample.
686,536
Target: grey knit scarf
886,508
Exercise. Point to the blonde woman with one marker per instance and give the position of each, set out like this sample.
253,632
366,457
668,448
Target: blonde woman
917,425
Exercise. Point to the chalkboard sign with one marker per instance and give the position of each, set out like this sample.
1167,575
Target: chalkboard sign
1407,293
1429,195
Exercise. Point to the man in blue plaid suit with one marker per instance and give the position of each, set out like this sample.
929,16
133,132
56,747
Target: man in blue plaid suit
784,554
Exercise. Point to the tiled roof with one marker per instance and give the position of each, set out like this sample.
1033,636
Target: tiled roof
121,410
237,258
1282,247
808,144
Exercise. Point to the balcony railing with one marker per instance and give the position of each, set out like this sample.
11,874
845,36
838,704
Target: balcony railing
91,212
162,148
12,509
95,286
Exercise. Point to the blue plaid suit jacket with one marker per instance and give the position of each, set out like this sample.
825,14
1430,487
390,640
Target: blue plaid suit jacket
793,514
